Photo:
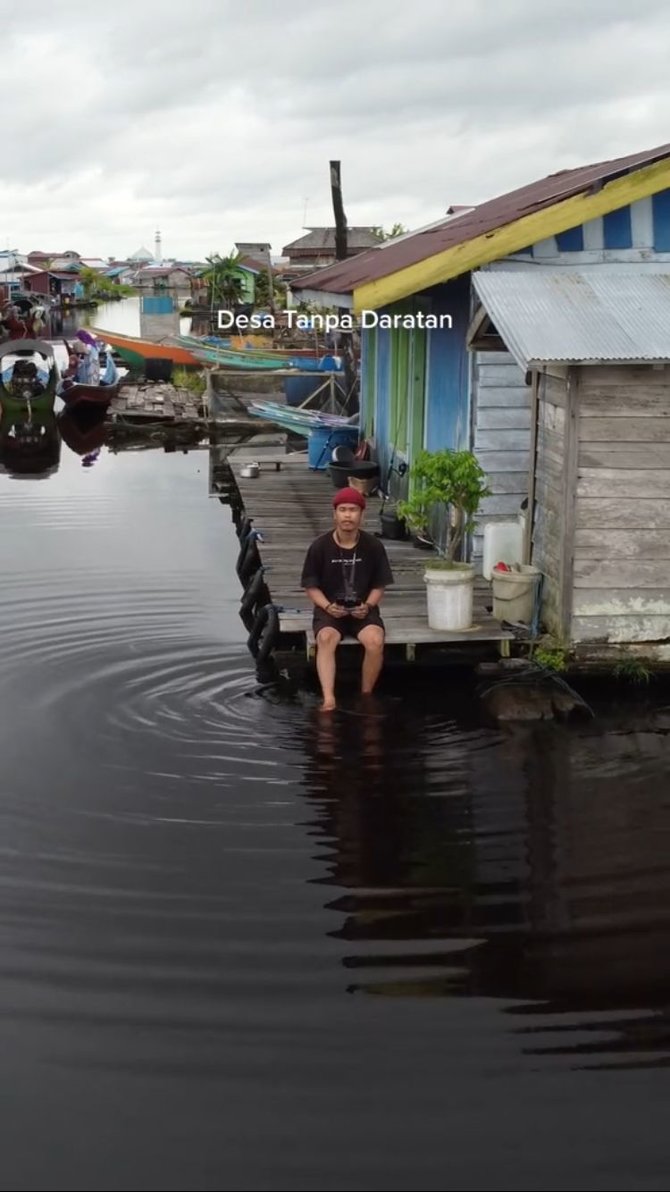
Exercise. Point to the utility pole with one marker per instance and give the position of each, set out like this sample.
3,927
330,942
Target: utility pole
345,337
338,209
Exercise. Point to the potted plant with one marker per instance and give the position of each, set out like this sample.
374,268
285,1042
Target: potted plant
449,486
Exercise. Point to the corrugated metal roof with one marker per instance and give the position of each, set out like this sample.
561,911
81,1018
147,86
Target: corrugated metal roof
563,316
346,276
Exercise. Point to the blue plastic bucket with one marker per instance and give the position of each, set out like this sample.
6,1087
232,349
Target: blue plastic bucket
323,439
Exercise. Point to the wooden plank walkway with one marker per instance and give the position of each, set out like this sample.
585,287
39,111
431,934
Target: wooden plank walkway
290,505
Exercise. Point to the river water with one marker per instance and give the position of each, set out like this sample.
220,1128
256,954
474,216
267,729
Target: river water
248,946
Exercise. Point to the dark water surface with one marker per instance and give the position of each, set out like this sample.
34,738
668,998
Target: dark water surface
246,946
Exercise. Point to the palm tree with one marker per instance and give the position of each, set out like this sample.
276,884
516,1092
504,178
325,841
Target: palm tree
224,285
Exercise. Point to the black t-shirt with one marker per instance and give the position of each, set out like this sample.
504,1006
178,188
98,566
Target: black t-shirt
342,572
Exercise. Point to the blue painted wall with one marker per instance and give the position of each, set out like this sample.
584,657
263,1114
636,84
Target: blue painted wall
447,374
571,241
383,444
617,232
660,205
365,363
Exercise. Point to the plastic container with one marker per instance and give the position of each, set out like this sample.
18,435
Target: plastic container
450,598
365,469
503,543
321,441
363,484
393,527
514,594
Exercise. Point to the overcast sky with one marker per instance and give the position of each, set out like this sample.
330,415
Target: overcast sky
215,120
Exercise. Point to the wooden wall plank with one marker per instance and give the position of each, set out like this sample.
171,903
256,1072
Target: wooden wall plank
571,432
623,544
617,513
501,375
630,376
635,483
490,397
620,629
503,461
622,602
627,402
551,420
504,440
625,430
504,418
624,455
622,573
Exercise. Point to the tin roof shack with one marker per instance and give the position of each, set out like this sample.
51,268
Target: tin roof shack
163,277
421,387
597,344
317,247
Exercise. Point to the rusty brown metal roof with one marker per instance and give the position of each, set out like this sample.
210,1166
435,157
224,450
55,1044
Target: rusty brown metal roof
345,276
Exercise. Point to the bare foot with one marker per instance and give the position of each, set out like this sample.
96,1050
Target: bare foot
328,705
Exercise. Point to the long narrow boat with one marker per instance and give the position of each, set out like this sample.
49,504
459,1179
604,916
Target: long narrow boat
253,359
248,347
136,351
300,421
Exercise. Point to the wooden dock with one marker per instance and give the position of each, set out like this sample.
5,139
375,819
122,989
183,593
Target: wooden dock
153,403
290,505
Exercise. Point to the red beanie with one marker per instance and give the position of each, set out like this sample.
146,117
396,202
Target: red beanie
349,496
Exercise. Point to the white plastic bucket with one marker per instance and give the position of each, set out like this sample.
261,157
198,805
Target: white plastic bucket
514,594
449,594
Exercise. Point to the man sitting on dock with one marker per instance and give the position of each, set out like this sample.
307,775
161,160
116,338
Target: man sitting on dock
345,573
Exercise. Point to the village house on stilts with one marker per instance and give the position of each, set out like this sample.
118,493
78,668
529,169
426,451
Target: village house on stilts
555,371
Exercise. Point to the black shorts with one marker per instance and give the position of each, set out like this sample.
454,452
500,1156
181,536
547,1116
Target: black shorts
346,626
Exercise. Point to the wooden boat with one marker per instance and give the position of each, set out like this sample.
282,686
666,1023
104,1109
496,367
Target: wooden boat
249,346
82,428
73,394
136,351
28,375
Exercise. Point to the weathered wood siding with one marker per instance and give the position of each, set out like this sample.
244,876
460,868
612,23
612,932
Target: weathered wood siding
547,534
621,579
501,434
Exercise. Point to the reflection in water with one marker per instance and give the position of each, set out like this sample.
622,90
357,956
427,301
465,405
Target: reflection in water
29,442
530,865
248,946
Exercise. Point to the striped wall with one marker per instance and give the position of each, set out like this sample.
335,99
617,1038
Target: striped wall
639,231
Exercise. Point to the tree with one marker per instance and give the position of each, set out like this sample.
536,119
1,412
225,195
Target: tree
96,285
398,229
262,289
224,284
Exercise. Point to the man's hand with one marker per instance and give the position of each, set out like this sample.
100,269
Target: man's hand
336,610
360,611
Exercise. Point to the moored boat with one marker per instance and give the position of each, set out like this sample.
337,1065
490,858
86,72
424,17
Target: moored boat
136,351
29,375
92,378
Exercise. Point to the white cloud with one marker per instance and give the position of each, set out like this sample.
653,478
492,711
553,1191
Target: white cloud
215,121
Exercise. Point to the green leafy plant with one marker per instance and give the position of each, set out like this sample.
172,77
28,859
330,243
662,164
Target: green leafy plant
632,670
453,481
185,378
552,657
550,652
